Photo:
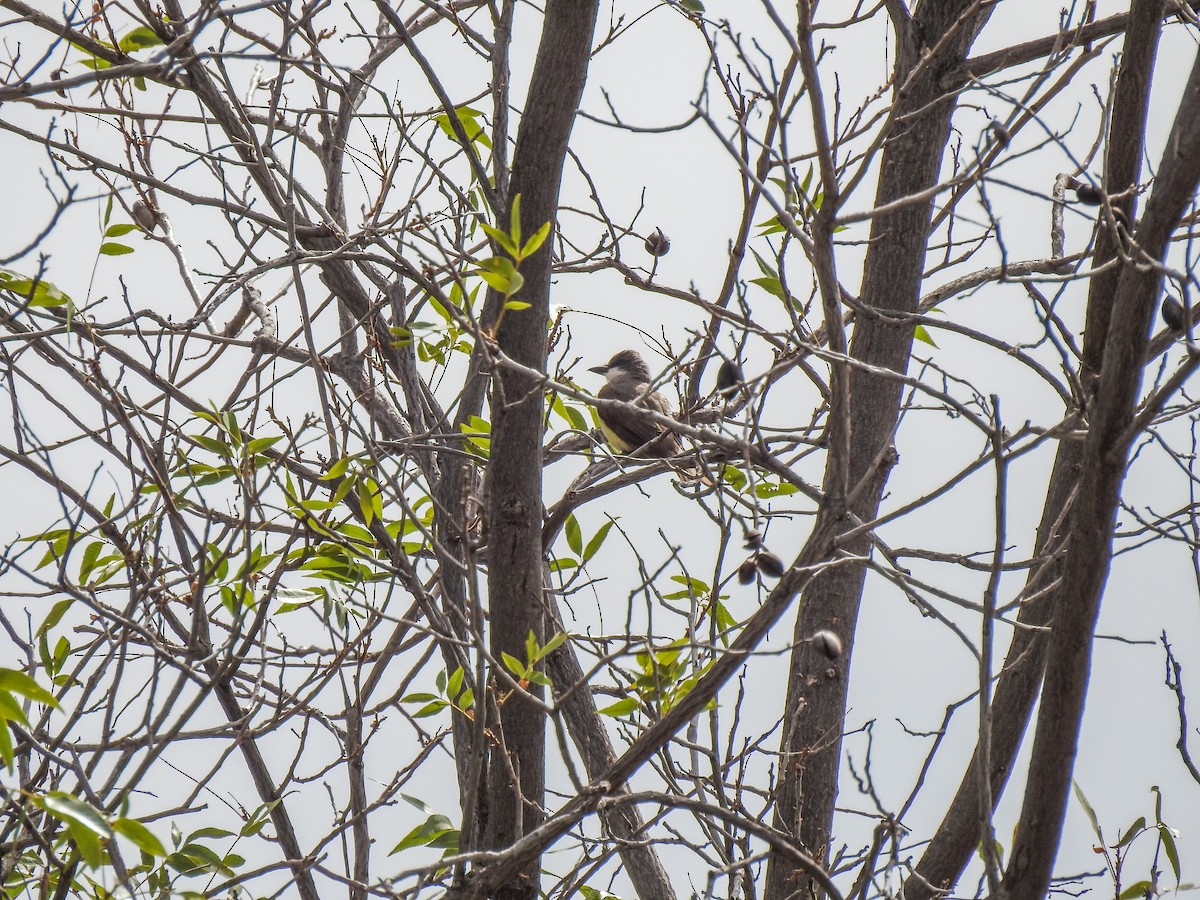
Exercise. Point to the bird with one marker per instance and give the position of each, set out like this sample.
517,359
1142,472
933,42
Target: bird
628,378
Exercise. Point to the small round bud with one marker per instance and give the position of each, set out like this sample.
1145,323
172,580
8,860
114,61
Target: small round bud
770,564
753,538
1173,314
746,571
143,216
658,244
828,643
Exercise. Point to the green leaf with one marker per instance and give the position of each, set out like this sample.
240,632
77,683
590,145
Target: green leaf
698,587
1132,831
454,685
90,554
772,286
14,682
258,820
1168,841
367,499
532,651
119,230
87,842
514,221
1087,808
10,710
505,242
435,829
763,266
513,664
773,489
95,63
517,305
37,293
472,129
573,417
692,6
478,432
590,893
197,859
213,445
140,835
735,477
210,832
921,334
553,644
61,649
70,808
260,444
109,248
501,274
626,707
430,709
338,469
56,613
721,615
538,238
139,39
574,536
597,540
6,746
421,697
1137,889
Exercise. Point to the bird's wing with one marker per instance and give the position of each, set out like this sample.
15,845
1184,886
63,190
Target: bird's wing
634,431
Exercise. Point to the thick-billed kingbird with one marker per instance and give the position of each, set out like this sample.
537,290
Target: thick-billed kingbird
629,380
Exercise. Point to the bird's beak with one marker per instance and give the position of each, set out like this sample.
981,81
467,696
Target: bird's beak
599,370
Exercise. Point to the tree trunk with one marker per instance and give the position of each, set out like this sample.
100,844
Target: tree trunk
816,695
516,767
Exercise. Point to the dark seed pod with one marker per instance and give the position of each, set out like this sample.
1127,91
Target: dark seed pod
1087,195
828,643
658,244
143,215
57,75
1174,315
747,571
729,379
770,564
753,538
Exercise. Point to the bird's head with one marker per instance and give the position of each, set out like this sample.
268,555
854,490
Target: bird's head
626,364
